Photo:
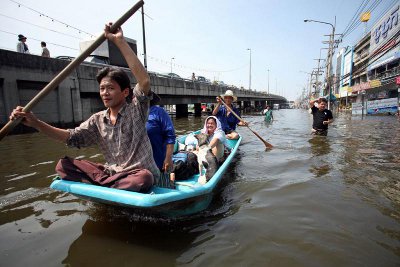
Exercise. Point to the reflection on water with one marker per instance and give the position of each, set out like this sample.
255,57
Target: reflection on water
320,148
310,201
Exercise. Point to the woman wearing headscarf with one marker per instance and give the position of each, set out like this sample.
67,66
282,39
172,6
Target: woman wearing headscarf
22,47
216,136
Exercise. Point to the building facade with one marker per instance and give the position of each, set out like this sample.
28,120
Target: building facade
371,87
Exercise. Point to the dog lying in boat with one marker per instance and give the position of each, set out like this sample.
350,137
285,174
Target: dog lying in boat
205,158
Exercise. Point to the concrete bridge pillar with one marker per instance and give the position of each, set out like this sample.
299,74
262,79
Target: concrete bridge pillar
239,106
197,109
264,104
181,110
246,106
257,105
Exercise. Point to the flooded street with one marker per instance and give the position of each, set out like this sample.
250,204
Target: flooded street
310,201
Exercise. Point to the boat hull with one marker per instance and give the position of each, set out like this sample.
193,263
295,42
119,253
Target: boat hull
187,198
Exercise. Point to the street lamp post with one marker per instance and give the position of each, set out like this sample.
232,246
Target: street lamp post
250,70
330,55
172,58
268,82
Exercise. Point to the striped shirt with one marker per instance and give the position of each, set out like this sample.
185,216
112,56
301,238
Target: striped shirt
125,145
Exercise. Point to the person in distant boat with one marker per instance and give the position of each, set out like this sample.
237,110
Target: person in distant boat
22,47
268,114
161,133
45,50
227,119
322,117
216,136
119,130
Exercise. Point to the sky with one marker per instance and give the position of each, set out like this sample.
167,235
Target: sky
208,37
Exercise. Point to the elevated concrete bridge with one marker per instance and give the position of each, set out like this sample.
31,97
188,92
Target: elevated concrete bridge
22,76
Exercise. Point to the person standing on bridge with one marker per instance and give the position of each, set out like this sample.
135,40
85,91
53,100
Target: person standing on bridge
22,47
227,119
45,50
322,117
119,130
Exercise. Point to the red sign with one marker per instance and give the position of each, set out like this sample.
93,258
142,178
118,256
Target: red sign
398,80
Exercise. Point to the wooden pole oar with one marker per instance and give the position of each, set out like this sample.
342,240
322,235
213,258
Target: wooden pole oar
68,69
267,145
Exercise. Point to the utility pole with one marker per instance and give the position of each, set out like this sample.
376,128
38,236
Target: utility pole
330,56
250,70
268,81
318,71
172,58
144,40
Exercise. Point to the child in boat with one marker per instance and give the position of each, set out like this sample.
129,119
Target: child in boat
119,130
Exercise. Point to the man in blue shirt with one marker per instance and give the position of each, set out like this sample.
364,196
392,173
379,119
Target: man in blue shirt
227,119
161,133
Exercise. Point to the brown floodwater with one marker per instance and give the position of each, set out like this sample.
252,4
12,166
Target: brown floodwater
322,201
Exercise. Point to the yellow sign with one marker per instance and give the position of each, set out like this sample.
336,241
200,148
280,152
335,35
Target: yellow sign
365,16
375,83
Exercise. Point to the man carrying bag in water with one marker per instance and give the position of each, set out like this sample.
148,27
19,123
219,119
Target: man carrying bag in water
119,130
321,117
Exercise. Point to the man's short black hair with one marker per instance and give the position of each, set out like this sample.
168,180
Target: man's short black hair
43,44
116,74
322,99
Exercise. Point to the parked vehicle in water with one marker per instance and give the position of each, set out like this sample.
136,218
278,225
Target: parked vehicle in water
276,106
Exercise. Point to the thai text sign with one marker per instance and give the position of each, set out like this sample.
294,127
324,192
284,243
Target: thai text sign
384,29
356,108
366,85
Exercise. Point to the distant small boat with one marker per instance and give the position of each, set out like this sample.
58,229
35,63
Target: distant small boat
187,198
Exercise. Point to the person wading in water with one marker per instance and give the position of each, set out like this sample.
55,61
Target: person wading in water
322,117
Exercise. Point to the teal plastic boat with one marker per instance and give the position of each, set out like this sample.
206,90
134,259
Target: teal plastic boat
187,198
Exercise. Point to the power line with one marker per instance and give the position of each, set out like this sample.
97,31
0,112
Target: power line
14,34
356,20
41,14
372,7
40,26
352,20
168,62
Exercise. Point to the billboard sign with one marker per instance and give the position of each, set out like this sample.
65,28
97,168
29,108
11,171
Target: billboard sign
382,106
384,30
347,67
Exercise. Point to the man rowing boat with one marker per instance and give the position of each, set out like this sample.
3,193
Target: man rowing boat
119,130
